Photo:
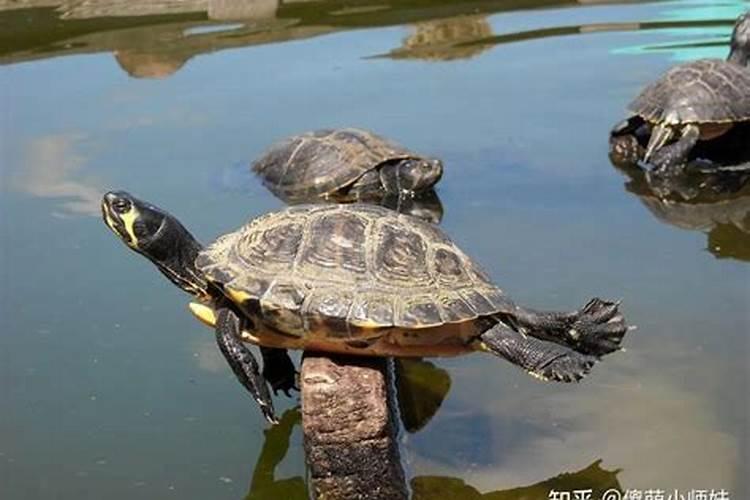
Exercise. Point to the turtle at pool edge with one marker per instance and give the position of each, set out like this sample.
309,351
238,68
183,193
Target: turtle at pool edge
695,101
354,279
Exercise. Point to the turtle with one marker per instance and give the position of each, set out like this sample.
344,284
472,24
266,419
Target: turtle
696,101
345,164
354,279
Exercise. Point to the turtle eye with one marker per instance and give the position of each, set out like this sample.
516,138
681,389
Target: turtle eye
121,205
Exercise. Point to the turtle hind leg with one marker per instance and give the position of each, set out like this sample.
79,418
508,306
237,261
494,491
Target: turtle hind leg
596,329
242,361
540,358
278,370
672,158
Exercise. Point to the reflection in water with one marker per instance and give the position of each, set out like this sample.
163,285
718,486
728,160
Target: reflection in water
715,203
52,170
592,478
714,199
445,39
705,40
264,484
148,65
655,430
426,206
153,40
558,31
421,387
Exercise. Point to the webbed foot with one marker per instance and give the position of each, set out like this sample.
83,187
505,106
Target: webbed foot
279,371
541,359
597,328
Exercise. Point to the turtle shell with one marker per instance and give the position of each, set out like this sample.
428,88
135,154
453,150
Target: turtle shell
702,91
346,271
323,161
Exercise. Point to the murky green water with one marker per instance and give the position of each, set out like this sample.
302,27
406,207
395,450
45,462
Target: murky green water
109,388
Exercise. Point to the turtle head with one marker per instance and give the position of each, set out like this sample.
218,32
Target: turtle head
740,49
411,174
158,236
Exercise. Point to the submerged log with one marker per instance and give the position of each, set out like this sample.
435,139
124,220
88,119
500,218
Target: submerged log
349,427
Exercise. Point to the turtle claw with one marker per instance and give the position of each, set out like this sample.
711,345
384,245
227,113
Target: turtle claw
598,328
600,310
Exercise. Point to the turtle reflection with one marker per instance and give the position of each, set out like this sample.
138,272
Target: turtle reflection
264,483
714,200
426,206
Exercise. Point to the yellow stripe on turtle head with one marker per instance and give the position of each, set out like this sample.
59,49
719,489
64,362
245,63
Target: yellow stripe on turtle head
108,219
128,219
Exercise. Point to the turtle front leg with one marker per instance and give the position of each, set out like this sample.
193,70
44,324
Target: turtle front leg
242,361
671,159
541,359
596,329
279,370
627,140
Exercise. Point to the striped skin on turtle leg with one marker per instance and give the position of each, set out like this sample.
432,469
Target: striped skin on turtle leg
242,361
595,329
278,370
671,159
541,359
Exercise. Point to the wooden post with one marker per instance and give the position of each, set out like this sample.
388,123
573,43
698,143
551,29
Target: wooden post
349,428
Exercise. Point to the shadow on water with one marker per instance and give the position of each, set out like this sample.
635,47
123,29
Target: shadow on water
155,39
264,483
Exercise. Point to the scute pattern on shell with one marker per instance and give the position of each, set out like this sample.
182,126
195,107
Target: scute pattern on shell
324,161
350,267
702,91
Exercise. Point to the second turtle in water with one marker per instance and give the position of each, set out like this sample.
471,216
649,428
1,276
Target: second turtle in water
345,164
699,100
354,279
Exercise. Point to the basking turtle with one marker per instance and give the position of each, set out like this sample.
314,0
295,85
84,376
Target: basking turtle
354,279
345,165
696,101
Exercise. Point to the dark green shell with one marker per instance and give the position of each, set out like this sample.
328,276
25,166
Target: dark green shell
702,91
346,271
324,161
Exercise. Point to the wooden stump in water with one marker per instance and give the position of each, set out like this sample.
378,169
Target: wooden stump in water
349,428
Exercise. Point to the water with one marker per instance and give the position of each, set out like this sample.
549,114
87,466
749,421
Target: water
109,387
